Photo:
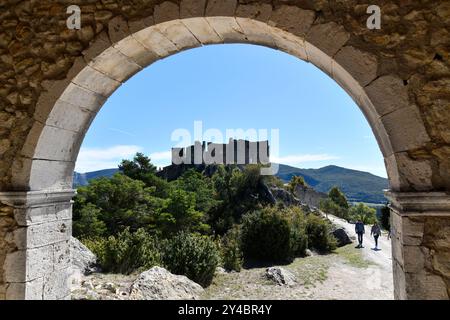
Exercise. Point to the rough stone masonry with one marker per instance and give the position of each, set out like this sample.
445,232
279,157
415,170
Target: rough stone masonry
53,81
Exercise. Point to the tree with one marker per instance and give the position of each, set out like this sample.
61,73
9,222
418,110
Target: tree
196,183
295,182
141,168
330,207
338,197
86,222
237,193
137,168
364,213
119,202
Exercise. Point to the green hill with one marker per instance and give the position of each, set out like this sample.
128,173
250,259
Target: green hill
358,186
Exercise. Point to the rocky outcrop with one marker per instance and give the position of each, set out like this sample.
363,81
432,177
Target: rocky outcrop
154,284
280,276
82,258
159,284
341,236
309,196
281,194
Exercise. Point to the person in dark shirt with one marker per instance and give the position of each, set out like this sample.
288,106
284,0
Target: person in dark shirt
359,229
376,232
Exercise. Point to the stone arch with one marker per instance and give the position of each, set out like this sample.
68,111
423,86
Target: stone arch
52,145
405,108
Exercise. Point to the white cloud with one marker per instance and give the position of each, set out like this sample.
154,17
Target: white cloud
161,159
157,156
91,159
298,159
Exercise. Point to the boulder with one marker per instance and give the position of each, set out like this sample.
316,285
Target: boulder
342,237
280,276
281,194
159,284
82,258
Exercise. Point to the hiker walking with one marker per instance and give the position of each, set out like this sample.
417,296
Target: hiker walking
376,232
359,229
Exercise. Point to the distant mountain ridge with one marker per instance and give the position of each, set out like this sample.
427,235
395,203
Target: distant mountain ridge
82,179
358,186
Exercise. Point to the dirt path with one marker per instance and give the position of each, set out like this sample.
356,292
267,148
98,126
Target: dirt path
345,281
347,274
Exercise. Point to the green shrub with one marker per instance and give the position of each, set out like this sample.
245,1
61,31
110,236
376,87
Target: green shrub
192,255
319,234
330,207
364,213
126,252
273,234
231,250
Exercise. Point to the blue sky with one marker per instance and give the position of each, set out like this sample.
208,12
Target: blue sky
233,87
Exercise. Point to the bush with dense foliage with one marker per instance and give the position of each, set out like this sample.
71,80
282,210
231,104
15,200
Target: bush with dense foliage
237,192
364,213
338,197
335,204
319,234
273,234
180,214
87,222
295,182
118,202
192,255
330,207
126,252
230,248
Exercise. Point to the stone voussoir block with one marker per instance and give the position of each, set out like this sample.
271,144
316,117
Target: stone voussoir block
81,97
360,65
202,30
328,37
257,32
48,175
96,82
228,29
69,117
154,41
406,129
388,93
178,34
115,65
58,144
134,50
289,43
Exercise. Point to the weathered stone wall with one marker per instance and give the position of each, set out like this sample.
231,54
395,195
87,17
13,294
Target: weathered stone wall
34,245
7,226
422,257
403,69
420,229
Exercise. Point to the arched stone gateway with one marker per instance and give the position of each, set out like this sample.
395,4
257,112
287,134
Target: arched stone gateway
54,81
